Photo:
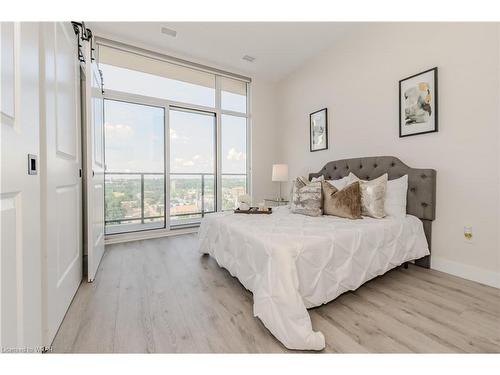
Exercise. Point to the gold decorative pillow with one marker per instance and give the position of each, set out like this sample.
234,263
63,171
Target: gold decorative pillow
372,195
343,203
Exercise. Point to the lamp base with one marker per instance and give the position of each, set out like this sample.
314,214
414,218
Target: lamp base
279,198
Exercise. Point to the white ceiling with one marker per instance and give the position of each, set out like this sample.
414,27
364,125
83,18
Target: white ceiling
278,47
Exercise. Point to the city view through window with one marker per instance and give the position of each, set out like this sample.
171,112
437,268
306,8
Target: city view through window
134,177
135,182
192,165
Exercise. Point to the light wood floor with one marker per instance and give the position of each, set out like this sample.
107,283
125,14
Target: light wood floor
161,296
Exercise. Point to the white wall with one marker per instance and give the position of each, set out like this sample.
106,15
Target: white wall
357,79
264,138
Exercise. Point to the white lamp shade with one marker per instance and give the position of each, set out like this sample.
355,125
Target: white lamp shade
280,172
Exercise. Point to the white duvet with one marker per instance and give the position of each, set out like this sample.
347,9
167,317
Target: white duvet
293,262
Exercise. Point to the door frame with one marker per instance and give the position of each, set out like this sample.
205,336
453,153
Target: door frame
83,141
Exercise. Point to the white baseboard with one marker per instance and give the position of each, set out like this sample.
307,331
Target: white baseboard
464,271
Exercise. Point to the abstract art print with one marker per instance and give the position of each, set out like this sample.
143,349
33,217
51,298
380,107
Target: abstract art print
418,104
318,130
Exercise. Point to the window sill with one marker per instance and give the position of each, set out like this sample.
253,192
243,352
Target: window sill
149,234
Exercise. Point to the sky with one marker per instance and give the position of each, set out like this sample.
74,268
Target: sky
135,133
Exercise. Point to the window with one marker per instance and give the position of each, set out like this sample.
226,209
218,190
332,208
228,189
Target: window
134,176
234,160
204,154
192,165
233,95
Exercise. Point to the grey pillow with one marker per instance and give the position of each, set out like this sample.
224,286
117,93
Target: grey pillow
343,203
306,197
372,195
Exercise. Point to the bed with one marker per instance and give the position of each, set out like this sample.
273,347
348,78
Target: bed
293,262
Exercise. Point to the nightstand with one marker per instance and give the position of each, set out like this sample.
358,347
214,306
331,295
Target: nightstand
275,202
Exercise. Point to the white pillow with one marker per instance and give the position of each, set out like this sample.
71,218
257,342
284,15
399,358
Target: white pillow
340,183
395,197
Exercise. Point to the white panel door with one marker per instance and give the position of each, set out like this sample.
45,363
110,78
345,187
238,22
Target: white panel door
95,166
61,182
20,260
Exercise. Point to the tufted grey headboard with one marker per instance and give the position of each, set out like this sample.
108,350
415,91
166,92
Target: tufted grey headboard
421,199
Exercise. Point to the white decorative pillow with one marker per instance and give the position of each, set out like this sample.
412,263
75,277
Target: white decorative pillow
395,197
340,183
372,195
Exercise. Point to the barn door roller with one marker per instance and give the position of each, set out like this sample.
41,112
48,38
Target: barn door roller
84,34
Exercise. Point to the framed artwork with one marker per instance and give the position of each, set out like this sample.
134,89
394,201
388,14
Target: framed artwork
418,103
318,130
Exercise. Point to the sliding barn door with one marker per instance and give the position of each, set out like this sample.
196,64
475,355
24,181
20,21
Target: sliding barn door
61,181
94,104
20,262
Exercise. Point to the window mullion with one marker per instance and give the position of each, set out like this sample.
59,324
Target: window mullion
248,135
218,145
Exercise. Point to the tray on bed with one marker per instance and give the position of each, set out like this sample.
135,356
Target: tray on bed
254,210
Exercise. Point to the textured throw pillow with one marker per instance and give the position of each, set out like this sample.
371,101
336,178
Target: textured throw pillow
306,197
316,179
395,197
298,182
372,195
343,203
341,183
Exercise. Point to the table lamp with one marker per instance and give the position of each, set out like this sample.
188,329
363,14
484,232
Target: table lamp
280,174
